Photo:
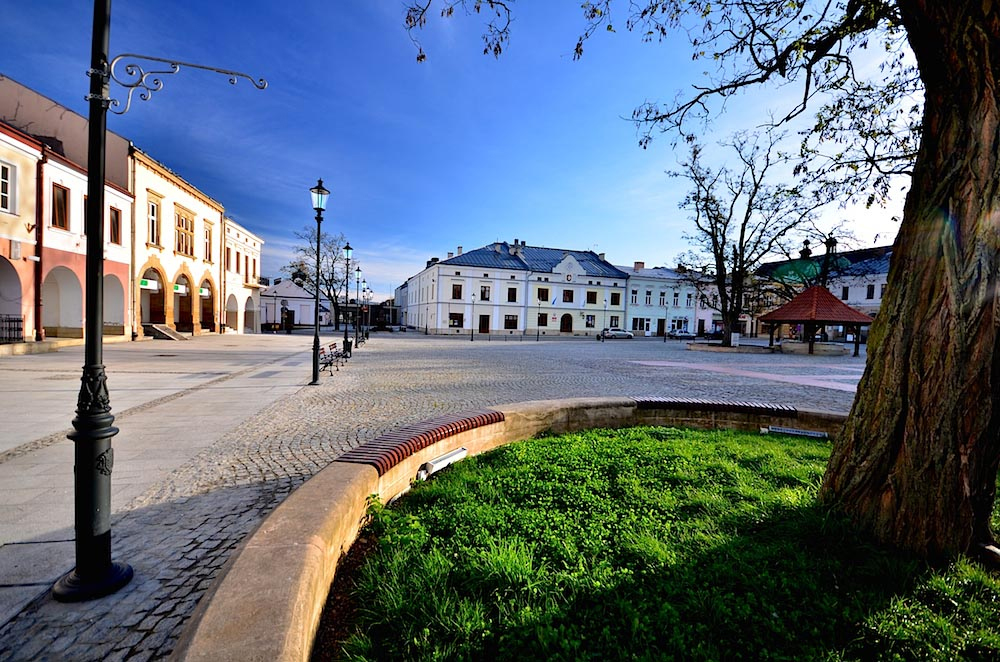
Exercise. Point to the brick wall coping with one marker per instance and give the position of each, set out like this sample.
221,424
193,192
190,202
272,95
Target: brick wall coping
266,602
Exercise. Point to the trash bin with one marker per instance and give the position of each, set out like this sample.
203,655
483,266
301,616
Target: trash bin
347,347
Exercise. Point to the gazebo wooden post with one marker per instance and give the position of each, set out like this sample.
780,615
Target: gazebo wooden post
810,332
857,341
771,332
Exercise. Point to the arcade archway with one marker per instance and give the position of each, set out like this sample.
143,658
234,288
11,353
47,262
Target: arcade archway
62,304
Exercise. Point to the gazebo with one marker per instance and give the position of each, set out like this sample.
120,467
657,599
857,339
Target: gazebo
814,308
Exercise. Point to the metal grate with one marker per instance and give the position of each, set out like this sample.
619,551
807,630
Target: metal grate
11,329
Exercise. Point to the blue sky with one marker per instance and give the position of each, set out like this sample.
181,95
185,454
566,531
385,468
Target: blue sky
462,149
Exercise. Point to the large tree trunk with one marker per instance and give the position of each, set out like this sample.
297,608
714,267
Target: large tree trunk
917,461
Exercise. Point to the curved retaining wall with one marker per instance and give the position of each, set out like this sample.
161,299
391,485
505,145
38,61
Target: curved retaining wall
266,603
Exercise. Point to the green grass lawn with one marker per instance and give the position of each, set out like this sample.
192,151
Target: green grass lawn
652,543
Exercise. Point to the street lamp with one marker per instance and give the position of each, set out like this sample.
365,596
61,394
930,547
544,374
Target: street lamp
472,320
538,318
605,318
319,198
364,296
95,575
357,297
348,251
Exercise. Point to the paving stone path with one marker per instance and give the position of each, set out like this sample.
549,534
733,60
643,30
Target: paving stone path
181,531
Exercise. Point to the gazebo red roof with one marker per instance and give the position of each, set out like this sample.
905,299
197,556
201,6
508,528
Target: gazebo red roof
816,305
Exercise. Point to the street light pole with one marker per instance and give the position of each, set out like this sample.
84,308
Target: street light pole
605,318
361,311
357,298
319,198
348,251
95,574
538,319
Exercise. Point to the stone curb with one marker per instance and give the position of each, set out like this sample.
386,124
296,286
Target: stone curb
267,601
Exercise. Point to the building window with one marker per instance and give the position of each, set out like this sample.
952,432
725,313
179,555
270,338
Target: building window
456,320
60,207
690,300
543,294
208,243
677,299
591,296
229,261
8,179
543,319
115,226
649,297
510,321
238,260
614,322
255,268
511,295
589,321
567,296
616,298
456,291
663,298
154,222
845,292
870,294
184,233
484,293
635,296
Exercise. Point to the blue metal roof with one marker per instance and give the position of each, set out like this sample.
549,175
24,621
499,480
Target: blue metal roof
501,255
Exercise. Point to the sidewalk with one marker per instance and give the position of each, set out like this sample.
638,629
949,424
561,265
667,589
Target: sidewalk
162,396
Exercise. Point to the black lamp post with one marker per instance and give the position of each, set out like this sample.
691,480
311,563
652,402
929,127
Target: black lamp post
538,319
666,319
348,251
95,575
605,318
364,301
319,198
357,302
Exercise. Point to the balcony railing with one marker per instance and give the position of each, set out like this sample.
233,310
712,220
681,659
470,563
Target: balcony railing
11,329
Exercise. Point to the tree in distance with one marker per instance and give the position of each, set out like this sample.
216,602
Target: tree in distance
332,277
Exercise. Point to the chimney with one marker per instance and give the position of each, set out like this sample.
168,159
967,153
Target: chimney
681,269
432,261
640,265
601,257
450,255
459,250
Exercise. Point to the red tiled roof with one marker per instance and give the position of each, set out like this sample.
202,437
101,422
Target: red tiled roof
816,305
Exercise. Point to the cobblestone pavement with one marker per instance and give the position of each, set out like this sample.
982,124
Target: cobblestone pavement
178,534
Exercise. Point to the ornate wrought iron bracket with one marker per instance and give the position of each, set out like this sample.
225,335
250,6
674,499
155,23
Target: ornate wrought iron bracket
135,78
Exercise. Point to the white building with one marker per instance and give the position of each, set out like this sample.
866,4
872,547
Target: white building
287,304
240,278
514,289
659,300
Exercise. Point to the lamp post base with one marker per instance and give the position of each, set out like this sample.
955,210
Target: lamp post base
73,588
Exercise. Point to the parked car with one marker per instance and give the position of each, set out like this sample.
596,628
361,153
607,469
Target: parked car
680,334
616,333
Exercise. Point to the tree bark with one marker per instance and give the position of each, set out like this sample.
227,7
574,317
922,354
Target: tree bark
917,461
